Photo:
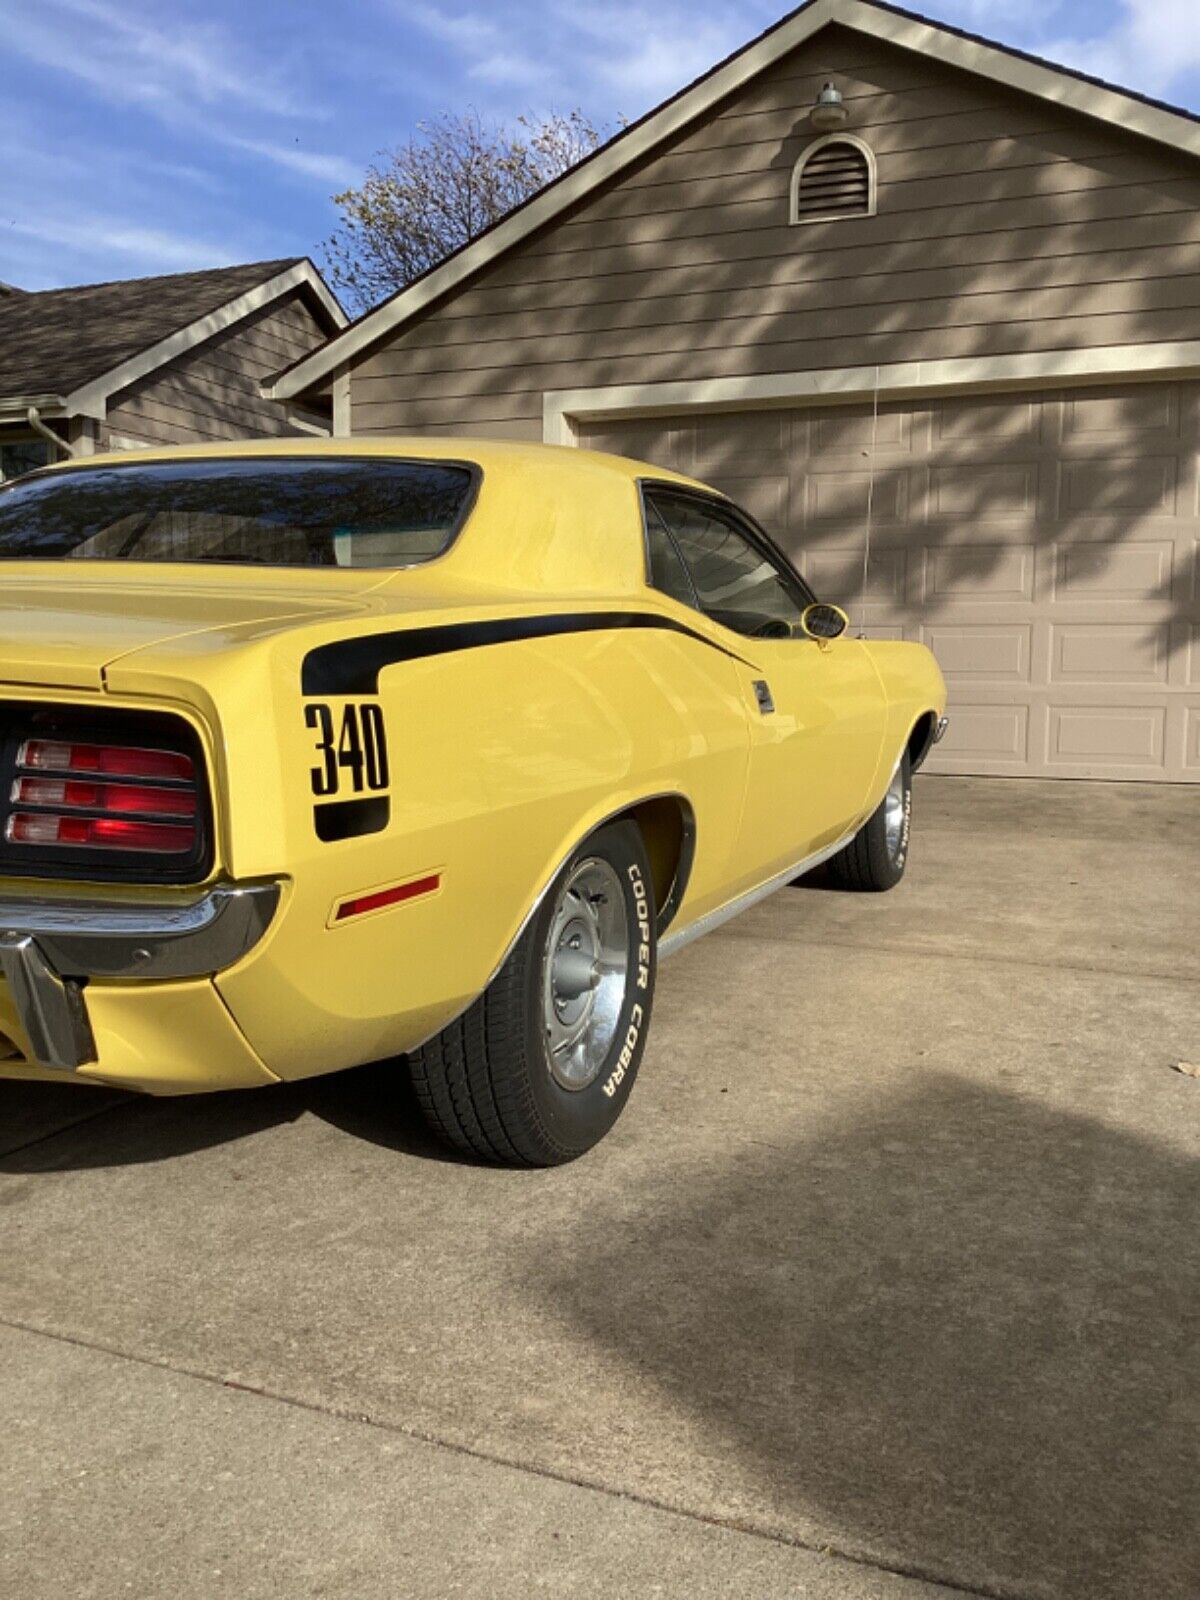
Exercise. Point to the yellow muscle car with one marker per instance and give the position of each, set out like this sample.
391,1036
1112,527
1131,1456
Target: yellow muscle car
324,752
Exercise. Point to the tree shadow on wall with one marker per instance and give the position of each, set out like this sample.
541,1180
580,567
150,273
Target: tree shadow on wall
956,1337
1020,232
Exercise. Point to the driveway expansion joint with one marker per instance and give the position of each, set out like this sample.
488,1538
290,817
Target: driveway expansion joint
487,1458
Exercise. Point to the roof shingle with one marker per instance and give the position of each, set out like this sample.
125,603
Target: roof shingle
54,340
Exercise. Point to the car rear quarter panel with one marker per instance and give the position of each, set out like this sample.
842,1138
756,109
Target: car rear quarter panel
500,760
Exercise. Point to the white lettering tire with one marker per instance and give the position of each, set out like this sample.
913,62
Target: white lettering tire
539,1068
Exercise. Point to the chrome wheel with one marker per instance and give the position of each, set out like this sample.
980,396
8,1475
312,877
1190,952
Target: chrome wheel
893,813
585,969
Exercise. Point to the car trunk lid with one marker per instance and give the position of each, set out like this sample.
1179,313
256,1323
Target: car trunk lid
62,634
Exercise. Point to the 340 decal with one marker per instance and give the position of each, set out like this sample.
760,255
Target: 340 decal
355,747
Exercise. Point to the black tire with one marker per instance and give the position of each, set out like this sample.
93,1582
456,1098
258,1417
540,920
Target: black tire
485,1082
870,862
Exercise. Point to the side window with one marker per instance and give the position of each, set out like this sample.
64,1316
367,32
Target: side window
735,582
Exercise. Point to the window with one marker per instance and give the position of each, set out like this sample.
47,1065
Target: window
834,178
22,457
703,554
302,512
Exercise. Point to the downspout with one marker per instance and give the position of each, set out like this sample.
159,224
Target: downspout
34,418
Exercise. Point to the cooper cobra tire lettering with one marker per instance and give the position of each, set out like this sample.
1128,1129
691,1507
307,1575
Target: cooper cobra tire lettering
632,1035
642,906
486,1082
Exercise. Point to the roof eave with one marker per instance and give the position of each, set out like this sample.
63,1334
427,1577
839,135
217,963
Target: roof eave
15,407
90,399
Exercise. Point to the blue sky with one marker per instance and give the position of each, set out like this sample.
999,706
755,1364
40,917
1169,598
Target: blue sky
146,136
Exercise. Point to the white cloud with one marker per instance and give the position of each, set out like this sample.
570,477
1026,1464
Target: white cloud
650,51
1149,45
634,53
153,247
1002,20
187,76
124,56
329,170
1152,47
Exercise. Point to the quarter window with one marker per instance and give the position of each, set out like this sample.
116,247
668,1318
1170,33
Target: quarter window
730,575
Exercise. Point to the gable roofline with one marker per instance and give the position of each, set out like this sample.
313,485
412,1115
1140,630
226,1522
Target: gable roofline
1061,86
90,399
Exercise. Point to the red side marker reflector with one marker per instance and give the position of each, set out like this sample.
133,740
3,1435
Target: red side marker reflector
387,897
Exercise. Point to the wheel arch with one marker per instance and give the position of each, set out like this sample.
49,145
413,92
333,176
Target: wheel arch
667,823
922,738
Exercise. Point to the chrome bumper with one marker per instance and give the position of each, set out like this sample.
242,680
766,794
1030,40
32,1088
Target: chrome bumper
939,733
49,948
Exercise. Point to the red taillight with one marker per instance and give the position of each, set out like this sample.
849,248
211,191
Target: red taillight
112,760
120,797
73,795
98,833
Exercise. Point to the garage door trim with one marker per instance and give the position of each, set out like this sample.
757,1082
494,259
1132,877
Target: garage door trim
564,409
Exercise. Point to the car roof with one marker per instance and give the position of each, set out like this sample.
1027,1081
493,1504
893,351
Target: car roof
549,519
491,455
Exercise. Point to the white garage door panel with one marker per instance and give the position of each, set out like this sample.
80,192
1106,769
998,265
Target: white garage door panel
1109,652
993,652
998,734
1045,546
1131,735
1192,741
978,573
1107,571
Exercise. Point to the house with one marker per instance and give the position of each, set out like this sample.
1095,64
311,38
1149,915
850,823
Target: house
863,206
169,360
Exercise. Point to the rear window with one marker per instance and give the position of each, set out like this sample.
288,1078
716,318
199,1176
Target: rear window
313,512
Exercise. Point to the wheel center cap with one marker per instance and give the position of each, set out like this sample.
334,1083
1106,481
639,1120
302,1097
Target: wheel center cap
574,972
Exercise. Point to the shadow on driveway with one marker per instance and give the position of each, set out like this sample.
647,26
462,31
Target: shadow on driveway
374,1103
961,1333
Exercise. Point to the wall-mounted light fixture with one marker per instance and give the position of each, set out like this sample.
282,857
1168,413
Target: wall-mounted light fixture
829,111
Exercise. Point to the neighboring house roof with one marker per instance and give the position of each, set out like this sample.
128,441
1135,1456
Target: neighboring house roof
1063,87
71,347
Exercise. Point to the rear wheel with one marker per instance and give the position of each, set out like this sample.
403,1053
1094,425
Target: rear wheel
540,1067
875,858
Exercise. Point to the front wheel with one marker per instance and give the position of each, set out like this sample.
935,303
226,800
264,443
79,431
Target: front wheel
539,1068
875,857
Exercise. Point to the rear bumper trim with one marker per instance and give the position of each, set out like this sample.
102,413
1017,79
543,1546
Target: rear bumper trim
48,947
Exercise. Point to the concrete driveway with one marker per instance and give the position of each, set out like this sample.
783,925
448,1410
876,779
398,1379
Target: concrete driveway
887,1280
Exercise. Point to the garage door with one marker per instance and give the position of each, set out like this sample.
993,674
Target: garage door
1046,548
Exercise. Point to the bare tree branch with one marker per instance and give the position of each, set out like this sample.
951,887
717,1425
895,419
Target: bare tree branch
453,179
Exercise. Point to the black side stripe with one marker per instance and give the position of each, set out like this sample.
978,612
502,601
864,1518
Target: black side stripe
350,819
352,666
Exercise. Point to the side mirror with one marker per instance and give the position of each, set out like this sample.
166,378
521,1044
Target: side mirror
823,622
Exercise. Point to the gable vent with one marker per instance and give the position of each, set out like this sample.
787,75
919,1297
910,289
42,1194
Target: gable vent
833,178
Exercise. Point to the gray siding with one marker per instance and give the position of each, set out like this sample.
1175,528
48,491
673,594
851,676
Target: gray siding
213,391
1003,226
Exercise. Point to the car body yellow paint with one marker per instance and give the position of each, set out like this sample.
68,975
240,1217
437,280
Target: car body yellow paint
502,757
